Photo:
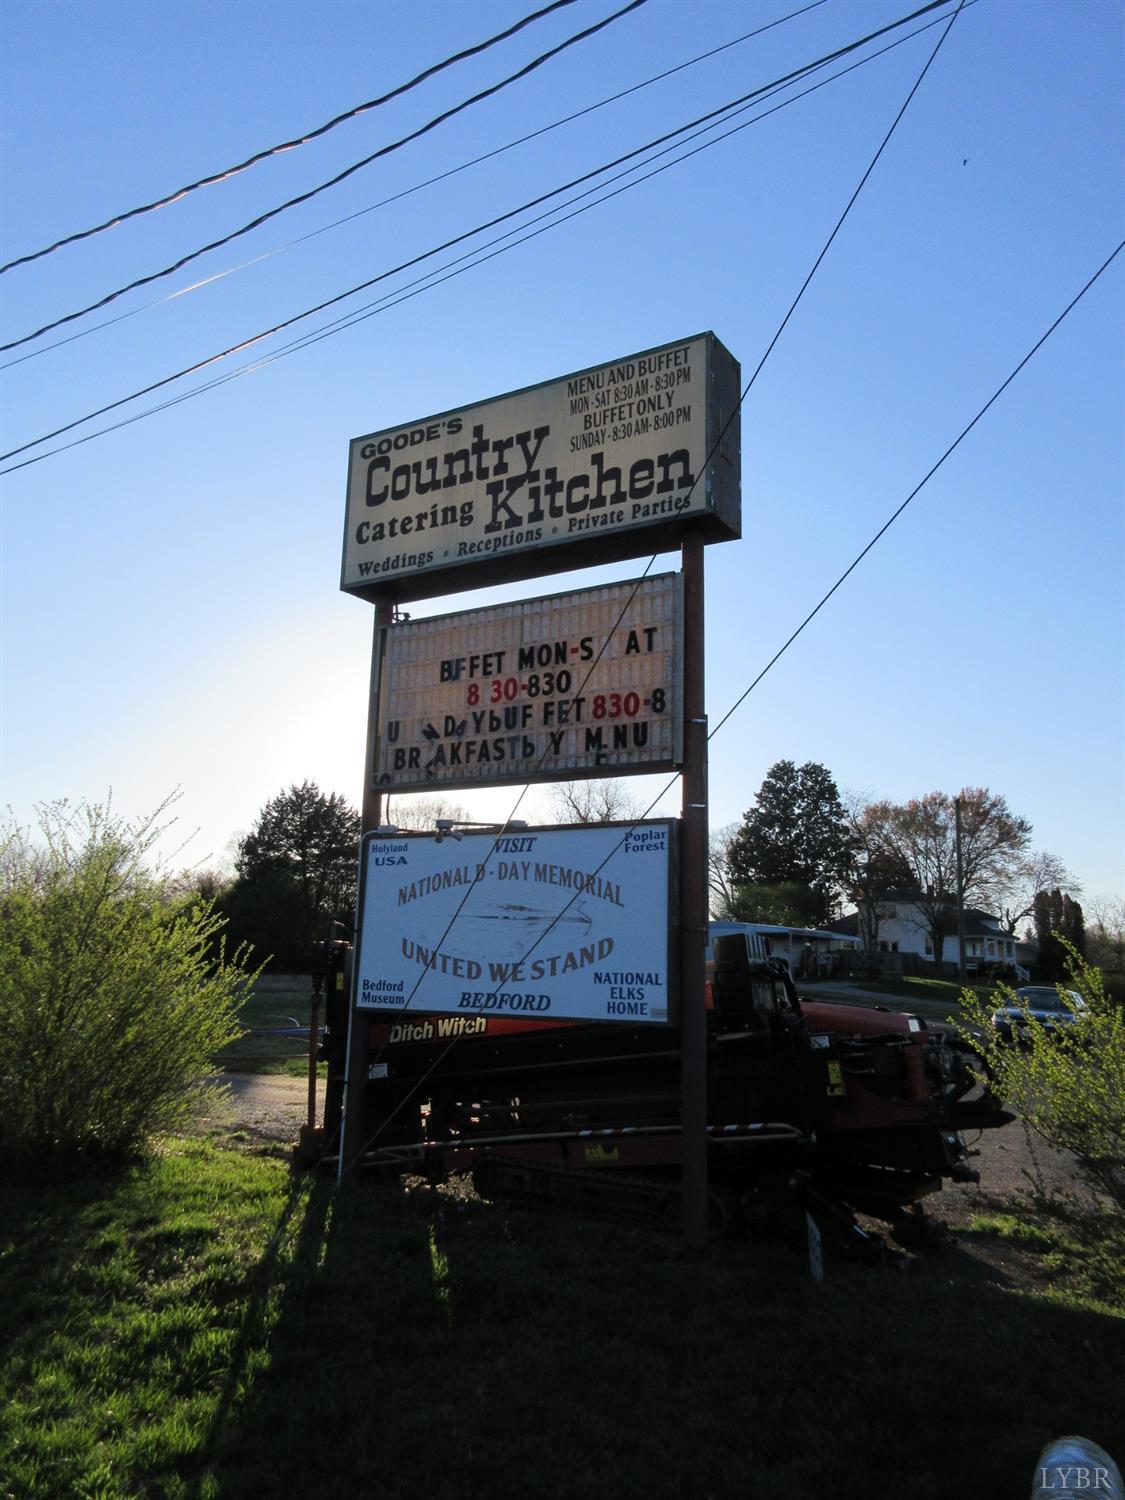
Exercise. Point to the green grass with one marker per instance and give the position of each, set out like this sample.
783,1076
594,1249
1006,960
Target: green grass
1079,1241
211,1325
1011,1227
907,987
273,1003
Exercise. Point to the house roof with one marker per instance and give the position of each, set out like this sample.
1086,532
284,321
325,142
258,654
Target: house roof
978,923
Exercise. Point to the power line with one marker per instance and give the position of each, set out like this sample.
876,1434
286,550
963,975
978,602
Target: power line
436,278
420,186
886,526
272,213
302,140
468,234
454,268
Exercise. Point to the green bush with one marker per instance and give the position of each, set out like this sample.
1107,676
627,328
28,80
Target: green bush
1068,1084
115,992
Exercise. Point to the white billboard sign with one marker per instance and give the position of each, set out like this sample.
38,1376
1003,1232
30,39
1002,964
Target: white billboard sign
607,463
538,923
581,684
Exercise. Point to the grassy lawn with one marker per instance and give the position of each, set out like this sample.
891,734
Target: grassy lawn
211,1324
942,991
275,1002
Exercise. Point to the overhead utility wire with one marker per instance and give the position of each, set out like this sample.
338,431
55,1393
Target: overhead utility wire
302,140
444,1053
436,278
433,279
419,186
468,234
272,213
997,393
455,267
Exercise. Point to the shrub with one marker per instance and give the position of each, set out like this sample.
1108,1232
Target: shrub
1067,1084
115,993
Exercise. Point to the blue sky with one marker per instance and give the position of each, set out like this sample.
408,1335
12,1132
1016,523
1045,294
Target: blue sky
171,614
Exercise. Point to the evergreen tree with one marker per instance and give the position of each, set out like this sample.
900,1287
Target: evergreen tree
1074,926
795,835
295,867
1058,923
787,905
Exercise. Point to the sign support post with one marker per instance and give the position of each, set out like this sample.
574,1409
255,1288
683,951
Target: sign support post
693,903
371,815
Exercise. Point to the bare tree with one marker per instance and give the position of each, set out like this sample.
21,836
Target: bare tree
1105,932
921,834
875,870
1015,892
422,813
593,802
720,882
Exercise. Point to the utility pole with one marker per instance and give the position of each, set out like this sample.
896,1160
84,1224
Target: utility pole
962,976
693,904
355,1067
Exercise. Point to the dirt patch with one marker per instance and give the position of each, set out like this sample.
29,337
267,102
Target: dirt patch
263,1106
1013,1165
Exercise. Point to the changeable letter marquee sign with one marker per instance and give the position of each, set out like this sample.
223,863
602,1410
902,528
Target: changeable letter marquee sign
581,684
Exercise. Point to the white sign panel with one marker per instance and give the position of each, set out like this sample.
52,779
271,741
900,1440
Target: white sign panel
581,684
542,923
607,463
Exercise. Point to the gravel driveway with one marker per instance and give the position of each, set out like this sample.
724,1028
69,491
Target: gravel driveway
270,1105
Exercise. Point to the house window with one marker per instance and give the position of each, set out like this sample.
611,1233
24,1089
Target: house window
929,948
1008,949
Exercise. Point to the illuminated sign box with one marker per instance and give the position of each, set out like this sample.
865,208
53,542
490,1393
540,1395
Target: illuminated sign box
538,923
604,464
587,683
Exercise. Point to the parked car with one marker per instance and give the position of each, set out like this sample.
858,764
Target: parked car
1038,1005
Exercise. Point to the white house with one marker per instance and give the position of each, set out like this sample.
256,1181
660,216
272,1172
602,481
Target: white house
903,928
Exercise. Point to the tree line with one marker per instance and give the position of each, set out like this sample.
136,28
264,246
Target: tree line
802,852
122,980
798,856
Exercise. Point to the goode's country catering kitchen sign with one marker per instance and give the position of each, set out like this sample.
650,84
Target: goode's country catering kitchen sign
538,923
581,684
596,466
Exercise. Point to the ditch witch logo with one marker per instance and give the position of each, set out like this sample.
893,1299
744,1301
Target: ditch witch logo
415,496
